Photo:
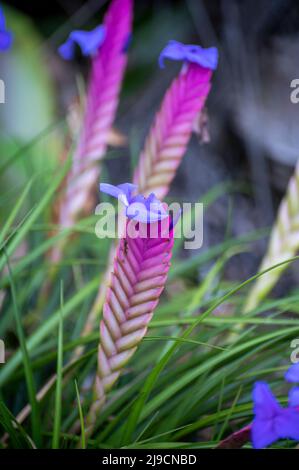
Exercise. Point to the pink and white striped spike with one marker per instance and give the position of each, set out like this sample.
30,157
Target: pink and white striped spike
108,68
166,143
139,275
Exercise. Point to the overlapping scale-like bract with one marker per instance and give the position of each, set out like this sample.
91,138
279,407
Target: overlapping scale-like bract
138,278
166,144
168,138
108,67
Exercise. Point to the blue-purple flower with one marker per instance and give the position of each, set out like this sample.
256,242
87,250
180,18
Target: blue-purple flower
6,36
175,50
292,374
272,421
139,208
294,397
88,41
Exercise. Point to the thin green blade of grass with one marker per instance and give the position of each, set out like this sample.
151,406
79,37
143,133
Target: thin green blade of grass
183,266
14,212
81,417
46,329
40,250
24,148
23,230
36,423
58,394
18,437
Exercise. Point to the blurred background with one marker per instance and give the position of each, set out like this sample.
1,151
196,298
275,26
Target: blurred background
253,128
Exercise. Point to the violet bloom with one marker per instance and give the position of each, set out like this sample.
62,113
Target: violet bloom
146,210
175,50
292,374
88,41
6,37
272,421
294,397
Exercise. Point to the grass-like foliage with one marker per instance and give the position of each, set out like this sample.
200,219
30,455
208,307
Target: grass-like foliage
185,387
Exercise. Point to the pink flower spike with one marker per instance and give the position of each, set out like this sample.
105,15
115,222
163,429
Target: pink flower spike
168,138
108,67
139,275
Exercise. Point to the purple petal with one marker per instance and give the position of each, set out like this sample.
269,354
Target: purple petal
67,50
207,58
114,191
292,374
138,211
6,39
155,207
265,404
287,424
88,41
175,50
146,210
294,397
122,191
263,433
128,189
2,20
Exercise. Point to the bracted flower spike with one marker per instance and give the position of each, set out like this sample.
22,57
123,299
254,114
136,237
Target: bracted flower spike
108,67
140,269
168,138
283,244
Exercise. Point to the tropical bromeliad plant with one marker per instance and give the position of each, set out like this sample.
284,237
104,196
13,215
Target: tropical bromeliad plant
160,370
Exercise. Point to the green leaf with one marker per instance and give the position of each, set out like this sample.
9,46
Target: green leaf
36,423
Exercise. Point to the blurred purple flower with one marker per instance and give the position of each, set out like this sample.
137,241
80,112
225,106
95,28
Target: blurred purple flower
175,50
6,37
294,397
272,422
292,374
146,210
128,43
88,41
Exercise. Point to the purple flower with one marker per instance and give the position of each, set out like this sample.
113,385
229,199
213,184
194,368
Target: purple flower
175,50
294,397
146,210
272,422
6,37
88,41
292,374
